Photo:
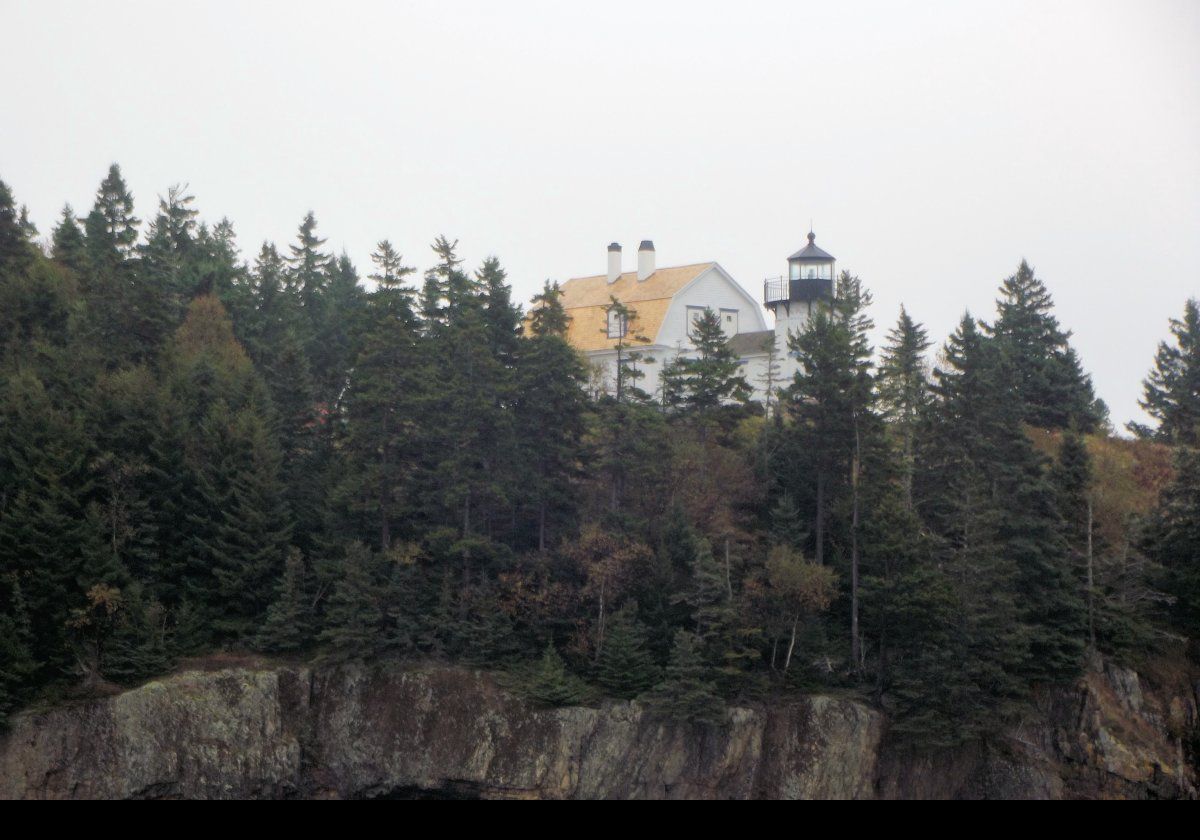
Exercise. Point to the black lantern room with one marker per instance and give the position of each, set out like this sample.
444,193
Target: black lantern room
810,277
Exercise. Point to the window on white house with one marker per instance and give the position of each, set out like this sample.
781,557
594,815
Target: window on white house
729,321
694,314
617,324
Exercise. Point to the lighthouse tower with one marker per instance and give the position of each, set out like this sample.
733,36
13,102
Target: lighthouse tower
808,284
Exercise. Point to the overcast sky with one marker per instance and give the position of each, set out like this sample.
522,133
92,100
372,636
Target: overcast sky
932,145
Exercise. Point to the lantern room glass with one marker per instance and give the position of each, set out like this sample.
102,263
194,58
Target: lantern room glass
811,271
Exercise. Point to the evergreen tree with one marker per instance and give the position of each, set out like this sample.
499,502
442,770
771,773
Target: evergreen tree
687,692
502,315
254,526
139,647
547,682
287,627
354,616
28,228
626,439
1050,383
409,600
308,270
274,339
18,667
438,280
47,542
117,227
548,316
831,403
549,408
68,244
985,493
1172,390
338,330
830,394
713,378
15,252
218,469
772,377
904,388
163,280
385,400
1173,538
626,667
1072,479
474,435
623,329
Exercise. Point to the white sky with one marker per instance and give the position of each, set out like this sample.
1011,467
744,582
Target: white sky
933,145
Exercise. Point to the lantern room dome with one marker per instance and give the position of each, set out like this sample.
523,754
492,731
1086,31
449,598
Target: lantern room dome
810,252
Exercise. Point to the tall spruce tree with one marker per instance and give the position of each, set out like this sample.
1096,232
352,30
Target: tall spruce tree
474,433
308,270
1172,538
626,667
549,683
354,616
48,544
18,667
985,493
687,691
1050,384
970,422
829,394
339,329
118,227
1072,479
550,407
218,468
711,379
16,254
68,244
831,403
1172,390
903,387
387,395
287,627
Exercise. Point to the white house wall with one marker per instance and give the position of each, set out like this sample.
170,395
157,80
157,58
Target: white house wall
715,290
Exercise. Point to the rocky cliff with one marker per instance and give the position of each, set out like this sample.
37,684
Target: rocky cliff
389,731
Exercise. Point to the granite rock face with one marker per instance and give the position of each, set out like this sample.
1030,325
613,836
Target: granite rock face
391,731
1109,737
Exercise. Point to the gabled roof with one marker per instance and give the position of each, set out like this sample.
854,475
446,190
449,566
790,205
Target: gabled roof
584,298
810,252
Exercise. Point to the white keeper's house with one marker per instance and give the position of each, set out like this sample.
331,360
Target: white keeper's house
665,302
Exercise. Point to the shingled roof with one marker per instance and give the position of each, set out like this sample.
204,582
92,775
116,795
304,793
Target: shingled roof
751,343
585,299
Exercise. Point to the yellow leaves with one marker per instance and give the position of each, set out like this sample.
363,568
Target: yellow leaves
207,332
805,585
103,603
1128,476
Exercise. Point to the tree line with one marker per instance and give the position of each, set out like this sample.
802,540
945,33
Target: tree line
201,453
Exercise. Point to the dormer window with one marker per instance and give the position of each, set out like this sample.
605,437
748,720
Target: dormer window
617,324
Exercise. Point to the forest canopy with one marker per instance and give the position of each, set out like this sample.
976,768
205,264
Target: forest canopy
200,452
